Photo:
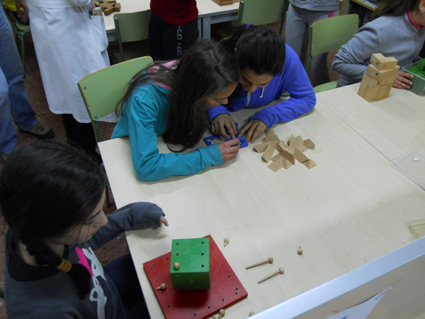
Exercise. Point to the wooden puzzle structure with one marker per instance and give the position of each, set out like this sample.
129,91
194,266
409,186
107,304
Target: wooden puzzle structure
193,259
288,153
225,288
108,6
378,78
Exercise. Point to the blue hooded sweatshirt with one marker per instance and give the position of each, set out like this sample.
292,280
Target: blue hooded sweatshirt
293,79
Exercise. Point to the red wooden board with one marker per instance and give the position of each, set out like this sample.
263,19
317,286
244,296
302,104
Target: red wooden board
226,289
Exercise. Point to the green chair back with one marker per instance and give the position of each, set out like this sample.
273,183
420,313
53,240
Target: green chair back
330,34
258,12
132,27
102,90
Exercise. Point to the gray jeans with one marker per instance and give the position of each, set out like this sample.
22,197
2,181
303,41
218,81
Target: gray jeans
298,22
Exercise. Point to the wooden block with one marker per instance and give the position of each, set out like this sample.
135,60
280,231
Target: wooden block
108,11
223,2
300,157
383,63
295,141
290,157
384,91
111,1
276,157
260,148
286,164
290,140
302,148
276,165
268,153
381,75
271,136
291,150
105,5
309,163
97,3
117,7
281,146
309,144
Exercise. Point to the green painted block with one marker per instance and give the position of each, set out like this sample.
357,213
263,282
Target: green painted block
193,255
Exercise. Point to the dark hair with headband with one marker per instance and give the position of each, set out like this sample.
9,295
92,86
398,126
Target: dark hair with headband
395,7
258,48
46,189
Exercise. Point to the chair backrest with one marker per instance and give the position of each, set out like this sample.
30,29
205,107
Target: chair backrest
102,90
131,27
330,34
261,12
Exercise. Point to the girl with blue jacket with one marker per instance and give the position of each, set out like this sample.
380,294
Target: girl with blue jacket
267,68
170,100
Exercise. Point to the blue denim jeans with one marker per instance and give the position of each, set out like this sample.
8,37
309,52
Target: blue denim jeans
13,98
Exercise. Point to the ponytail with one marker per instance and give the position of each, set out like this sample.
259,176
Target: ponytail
46,257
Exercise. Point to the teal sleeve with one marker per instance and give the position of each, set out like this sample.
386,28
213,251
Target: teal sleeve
146,116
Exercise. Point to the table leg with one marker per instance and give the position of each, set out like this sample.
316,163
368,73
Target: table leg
206,28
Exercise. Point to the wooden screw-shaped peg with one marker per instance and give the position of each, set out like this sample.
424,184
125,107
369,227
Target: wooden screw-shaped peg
268,261
221,313
251,313
280,272
226,241
176,266
162,287
299,251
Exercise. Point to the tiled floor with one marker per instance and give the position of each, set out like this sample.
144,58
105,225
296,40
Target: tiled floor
36,96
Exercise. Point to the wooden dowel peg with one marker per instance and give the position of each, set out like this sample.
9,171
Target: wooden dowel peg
299,251
162,287
176,265
221,313
226,241
280,272
268,261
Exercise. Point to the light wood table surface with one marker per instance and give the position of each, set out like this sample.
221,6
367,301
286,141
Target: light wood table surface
350,209
394,125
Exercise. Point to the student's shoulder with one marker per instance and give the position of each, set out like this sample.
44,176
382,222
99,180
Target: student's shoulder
382,26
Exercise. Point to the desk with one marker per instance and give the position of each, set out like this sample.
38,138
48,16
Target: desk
209,13
350,209
394,125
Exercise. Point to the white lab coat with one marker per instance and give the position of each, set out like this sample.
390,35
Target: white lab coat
70,44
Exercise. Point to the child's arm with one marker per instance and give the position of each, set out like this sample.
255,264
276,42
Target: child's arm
351,61
135,216
143,119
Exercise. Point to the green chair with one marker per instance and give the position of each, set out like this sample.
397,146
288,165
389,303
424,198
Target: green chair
327,35
102,90
132,35
258,12
20,30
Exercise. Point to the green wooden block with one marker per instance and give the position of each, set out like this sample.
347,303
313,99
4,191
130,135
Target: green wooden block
193,255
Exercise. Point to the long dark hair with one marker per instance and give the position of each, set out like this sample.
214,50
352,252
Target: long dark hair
205,69
258,48
46,189
395,8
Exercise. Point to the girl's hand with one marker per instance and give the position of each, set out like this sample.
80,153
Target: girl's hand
163,221
402,81
229,150
221,122
253,130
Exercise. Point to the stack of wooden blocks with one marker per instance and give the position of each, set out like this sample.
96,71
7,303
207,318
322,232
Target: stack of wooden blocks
378,78
108,6
224,2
